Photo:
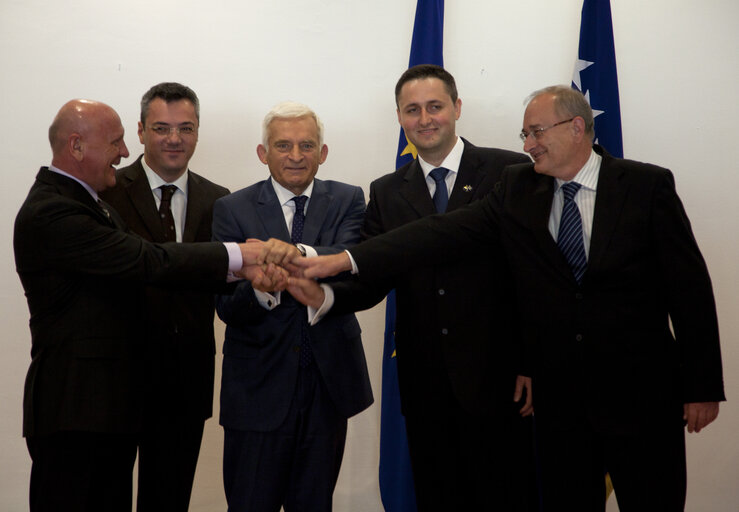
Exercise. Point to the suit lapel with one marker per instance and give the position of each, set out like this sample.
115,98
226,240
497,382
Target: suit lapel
609,201
416,192
70,188
138,189
469,177
320,200
269,211
195,208
540,207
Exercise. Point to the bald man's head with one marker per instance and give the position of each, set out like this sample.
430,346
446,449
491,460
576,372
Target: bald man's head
86,140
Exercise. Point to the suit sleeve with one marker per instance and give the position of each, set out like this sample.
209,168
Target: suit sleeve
241,307
689,295
351,294
435,240
347,233
70,238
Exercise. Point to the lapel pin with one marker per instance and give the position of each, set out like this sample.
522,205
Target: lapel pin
467,188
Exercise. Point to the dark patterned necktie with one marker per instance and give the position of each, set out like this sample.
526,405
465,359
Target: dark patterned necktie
569,238
105,210
441,194
165,213
296,236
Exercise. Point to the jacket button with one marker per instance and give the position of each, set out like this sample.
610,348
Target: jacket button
445,331
579,296
578,337
441,291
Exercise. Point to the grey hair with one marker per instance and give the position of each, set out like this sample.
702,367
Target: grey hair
289,110
568,102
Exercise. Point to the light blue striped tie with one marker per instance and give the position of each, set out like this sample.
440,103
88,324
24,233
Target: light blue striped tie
569,238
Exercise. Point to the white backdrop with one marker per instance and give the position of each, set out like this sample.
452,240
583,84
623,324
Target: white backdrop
678,68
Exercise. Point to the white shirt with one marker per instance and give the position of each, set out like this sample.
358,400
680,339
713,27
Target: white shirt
587,177
179,199
451,162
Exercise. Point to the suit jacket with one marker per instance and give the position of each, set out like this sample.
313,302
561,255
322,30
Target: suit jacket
470,300
83,276
603,352
260,352
180,345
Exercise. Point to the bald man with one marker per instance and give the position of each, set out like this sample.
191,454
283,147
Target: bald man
83,276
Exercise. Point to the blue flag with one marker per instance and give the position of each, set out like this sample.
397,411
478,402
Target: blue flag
595,73
396,478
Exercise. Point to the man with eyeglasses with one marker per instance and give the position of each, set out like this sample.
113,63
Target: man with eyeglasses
618,315
161,200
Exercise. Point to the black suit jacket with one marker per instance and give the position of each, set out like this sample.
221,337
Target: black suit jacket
83,275
603,352
180,346
470,300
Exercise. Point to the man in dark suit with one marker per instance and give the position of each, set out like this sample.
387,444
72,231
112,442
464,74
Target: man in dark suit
83,277
456,356
288,387
180,345
616,302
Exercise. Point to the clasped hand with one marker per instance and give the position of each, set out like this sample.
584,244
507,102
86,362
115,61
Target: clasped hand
274,265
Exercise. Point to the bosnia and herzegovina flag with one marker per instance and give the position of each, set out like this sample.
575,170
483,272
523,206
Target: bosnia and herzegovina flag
396,478
595,73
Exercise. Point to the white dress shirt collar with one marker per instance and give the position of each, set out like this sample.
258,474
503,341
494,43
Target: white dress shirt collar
156,181
587,177
85,185
284,196
451,161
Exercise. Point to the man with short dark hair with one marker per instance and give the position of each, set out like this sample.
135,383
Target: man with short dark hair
617,308
460,371
180,344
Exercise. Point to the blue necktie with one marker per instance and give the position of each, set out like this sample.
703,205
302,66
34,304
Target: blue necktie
569,238
441,195
296,236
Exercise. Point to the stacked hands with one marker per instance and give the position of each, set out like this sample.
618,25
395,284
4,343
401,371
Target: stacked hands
275,265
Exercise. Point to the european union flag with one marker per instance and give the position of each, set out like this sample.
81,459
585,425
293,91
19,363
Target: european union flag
595,73
396,478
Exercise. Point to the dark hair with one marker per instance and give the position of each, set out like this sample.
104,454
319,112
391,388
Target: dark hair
427,71
169,92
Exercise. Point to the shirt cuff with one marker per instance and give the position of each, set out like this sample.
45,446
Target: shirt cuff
235,261
355,269
267,300
310,252
315,315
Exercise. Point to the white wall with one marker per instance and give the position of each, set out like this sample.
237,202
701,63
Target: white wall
678,69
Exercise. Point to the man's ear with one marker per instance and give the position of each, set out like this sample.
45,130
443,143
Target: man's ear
75,146
262,153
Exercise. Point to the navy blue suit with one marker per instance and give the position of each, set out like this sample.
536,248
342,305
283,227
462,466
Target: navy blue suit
262,384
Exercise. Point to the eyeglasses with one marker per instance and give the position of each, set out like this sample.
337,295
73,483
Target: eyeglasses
538,132
165,131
